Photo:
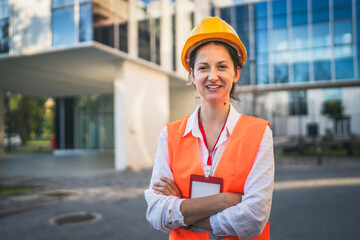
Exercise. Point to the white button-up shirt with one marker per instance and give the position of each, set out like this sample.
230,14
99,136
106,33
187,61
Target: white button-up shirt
245,220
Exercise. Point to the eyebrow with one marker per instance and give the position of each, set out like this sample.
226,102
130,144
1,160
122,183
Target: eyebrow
208,63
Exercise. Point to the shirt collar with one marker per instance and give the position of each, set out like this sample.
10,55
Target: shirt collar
193,123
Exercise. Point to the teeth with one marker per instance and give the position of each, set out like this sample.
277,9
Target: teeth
212,87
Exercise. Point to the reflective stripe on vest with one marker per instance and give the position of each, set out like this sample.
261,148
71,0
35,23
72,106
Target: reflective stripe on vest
234,165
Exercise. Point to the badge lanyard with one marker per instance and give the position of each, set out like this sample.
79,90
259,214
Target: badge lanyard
209,161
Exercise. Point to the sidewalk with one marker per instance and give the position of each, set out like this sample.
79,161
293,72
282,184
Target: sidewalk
310,201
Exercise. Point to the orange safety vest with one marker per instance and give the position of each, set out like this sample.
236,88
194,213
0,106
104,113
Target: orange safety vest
233,167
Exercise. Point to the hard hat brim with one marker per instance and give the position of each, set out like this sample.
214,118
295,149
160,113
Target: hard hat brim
194,41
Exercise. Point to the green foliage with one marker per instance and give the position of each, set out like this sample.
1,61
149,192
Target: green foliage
333,109
29,117
6,190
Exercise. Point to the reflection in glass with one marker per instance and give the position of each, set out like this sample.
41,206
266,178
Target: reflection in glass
341,2
319,4
4,35
262,74
4,9
301,55
225,14
320,15
280,57
322,70
260,9
103,18
344,68
63,27
61,3
301,71
85,24
262,41
281,73
322,53
343,51
299,18
279,21
279,7
342,32
321,34
279,39
342,12
262,58
299,36
298,6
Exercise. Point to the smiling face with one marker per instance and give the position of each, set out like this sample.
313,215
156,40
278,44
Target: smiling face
213,73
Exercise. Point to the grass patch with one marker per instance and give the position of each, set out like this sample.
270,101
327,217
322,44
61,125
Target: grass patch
37,143
7,190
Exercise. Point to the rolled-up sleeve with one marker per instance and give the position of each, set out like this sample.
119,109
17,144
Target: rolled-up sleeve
248,218
163,212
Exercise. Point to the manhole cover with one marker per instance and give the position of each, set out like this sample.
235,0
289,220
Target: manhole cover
75,218
59,194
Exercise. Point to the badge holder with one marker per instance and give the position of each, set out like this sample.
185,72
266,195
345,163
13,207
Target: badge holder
201,186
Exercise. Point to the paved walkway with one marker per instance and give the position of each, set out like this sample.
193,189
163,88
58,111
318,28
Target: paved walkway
310,201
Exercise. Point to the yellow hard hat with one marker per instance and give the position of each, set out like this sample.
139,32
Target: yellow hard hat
212,29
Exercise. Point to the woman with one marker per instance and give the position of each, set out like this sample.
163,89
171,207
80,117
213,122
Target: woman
223,157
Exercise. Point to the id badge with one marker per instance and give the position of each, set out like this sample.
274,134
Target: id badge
200,186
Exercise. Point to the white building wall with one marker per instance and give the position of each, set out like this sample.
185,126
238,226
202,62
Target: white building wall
141,111
350,101
182,102
30,26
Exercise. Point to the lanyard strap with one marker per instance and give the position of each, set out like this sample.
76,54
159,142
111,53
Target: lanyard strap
209,161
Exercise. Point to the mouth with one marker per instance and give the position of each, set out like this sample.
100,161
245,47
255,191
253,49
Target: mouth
213,86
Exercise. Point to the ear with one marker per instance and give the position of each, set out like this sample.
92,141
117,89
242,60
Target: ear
237,74
191,76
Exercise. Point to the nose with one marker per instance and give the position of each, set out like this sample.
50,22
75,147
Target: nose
213,74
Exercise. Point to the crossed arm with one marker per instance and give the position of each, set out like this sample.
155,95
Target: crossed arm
197,211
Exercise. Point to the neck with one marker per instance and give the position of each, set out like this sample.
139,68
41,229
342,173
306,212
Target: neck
214,114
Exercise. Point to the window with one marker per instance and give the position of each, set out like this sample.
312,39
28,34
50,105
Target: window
299,12
321,34
322,70
63,26
301,71
343,51
144,39
4,26
86,21
320,10
104,21
299,36
297,103
281,73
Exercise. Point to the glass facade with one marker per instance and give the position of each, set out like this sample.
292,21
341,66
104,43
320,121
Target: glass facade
4,26
300,41
63,24
95,122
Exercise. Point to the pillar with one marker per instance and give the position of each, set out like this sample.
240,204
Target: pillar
141,110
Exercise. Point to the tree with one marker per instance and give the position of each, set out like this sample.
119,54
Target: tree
333,109
26,115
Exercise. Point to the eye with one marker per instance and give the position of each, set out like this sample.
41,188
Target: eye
222,66
201,68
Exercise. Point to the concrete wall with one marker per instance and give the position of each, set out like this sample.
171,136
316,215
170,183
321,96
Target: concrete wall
30,26
141,111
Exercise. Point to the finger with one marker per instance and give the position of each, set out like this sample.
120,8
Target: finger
167,184
172,184
163,187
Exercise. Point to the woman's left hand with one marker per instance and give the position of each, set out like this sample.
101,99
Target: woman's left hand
167,187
